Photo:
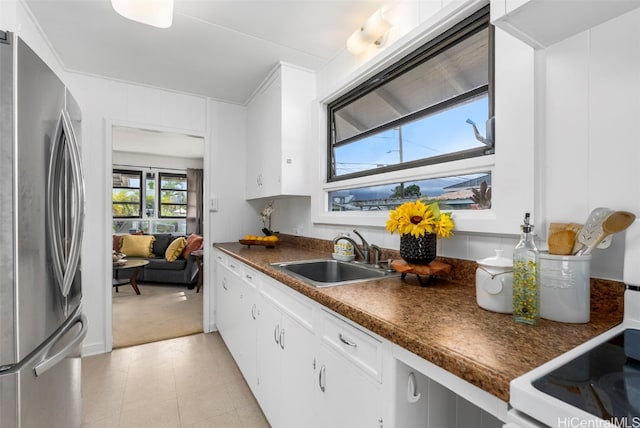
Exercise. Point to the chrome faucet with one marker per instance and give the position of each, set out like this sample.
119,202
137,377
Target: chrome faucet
356,249
365,247
376,255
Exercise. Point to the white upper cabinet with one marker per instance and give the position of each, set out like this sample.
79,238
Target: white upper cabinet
279,134
542,23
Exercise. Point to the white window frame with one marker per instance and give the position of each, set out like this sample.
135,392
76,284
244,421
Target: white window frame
512,166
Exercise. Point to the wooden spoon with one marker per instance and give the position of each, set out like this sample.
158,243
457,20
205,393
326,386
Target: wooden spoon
615,222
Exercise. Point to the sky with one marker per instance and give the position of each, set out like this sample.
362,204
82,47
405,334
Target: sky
441,133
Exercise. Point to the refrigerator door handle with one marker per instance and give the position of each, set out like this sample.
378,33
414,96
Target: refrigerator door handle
50,362
65,204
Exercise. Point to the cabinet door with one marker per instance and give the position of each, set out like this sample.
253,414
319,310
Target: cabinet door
263,146
269,358
285,368
224,299
271,140
236,314
298,375
245,333
346,397
230,312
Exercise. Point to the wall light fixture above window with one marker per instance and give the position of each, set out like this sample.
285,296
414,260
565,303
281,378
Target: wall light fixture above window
373,32
157,13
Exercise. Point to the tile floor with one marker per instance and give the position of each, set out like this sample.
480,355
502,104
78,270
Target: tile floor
188,382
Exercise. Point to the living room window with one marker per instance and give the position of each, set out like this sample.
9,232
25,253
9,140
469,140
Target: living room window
126,194
151,201
173,195
418,119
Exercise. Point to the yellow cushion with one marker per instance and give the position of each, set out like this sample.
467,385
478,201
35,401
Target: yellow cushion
137,245
175,249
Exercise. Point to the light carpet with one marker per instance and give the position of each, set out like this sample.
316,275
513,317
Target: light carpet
160,312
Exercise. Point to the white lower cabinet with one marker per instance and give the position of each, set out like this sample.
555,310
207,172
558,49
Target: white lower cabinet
236,313
428,396
309,367
349,389
423,402
286,354
346,397
222,290
246,329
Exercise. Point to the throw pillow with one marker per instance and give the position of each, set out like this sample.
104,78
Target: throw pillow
161,243
175,249
194,242
116,243
137,245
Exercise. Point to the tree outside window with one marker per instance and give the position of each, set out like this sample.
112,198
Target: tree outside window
126,194
173,195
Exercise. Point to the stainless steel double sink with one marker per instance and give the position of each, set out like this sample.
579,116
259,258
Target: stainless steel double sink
329,273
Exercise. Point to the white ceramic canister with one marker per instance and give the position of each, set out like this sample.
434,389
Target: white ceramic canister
565,288
494,283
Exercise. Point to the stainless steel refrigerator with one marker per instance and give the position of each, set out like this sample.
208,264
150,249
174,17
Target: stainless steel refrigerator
41,223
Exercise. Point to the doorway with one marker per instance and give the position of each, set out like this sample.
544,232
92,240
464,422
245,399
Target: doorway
149,196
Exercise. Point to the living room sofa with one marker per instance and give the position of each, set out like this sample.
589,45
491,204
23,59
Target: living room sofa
177,268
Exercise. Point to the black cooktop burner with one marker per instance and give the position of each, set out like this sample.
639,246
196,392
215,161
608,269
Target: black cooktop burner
604,381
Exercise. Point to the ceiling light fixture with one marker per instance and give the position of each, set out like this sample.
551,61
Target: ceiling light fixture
373,32
157,13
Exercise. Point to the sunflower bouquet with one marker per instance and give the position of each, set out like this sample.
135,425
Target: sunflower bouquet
417,219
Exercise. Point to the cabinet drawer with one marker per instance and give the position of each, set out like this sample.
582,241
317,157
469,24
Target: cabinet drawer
361,348
219,257
234,266
297,307
250,276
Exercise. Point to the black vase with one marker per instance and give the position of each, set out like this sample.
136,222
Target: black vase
418,251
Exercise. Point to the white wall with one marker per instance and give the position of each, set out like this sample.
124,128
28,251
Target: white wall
592,115
235,216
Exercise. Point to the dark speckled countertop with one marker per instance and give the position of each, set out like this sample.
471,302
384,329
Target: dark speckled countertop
442,322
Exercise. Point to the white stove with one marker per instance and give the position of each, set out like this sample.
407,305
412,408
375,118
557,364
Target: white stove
596,384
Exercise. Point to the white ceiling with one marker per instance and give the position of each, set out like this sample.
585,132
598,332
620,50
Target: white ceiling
133,140
222,49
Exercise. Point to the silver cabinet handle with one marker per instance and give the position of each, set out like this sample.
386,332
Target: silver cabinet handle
347,341
412,389
224,284
249,277
321,378
276,334
282,338
253,311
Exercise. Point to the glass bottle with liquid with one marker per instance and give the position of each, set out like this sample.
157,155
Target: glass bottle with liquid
526,286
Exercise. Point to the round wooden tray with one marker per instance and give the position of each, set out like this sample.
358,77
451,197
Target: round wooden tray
267,244
433,269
